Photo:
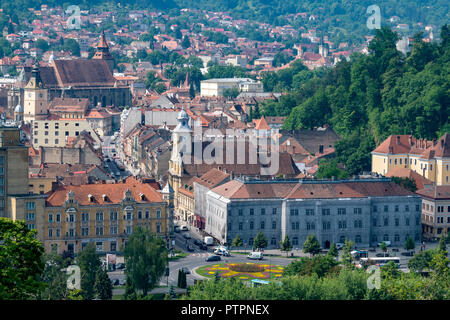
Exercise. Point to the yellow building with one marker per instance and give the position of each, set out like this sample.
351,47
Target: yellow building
430,159
13,167
105,214
435,211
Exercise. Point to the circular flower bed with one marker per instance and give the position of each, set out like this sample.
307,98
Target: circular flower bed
245,271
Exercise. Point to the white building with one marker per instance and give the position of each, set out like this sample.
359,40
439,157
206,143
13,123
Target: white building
215,87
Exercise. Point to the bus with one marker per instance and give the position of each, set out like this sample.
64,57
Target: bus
379,261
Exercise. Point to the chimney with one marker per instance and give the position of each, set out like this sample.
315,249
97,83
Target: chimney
434,142
398,140
442,144
410,140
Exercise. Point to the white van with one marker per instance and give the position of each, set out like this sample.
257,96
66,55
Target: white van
208,241
255,255
222,252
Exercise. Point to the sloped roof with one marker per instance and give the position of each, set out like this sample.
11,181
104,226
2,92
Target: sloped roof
114,192
408,173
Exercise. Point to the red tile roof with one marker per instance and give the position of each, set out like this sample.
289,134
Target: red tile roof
114,192
408,173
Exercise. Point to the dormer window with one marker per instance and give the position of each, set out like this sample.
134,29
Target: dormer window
105,197
91,198
142,196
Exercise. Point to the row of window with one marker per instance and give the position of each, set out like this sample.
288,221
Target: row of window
396,222
99,231
113,216
342,239
326,211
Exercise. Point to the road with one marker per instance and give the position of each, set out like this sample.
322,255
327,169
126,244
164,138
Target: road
110,152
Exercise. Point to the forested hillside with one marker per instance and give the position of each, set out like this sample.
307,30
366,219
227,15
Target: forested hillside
371,97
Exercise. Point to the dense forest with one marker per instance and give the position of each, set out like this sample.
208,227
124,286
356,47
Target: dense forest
369,97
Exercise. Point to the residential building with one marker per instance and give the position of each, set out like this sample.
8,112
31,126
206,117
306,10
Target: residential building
435,211
429,158
215,87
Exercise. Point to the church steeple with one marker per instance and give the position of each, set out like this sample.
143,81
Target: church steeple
102,52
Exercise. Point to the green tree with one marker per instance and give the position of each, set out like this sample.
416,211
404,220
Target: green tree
409,244
54,278
383,247
421,261
286,245
260,241
146,258
442,246
311,245
42,44
21,262
72,46
347,258
186,43
329,169
333,252
237,242
181,279
103,286
231,93
89,262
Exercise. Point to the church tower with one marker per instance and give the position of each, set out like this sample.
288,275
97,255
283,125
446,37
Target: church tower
103,52
35,97
181,144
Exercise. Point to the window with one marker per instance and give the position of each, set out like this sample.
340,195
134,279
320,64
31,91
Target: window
295,241
375,208
263,211
295,225
358,223
71,217
251,225
325,212
113,216
158,214
99,216
240,212
386,208
273,241
396,208
30,205
263,224
240,225
386,237
417,207
56,141
50,217
397,222
386,222
274,224
326,225
252,211
358,239
99,231
129,215
407,221
342,224
341,211
310,226
274,211
357,210
374,222
139,215
58,232
58,217
407,208
309,212
84,231
50,233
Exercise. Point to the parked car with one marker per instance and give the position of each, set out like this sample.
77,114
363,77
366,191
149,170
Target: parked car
184,228
379,255
176,229
203,246
208,241
255,256
197,242
213,258
185,270
408,253
339,245
187,236
116,282
189,248
122,282
222,252
120,266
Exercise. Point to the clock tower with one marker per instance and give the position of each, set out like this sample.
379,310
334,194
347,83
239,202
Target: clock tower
35,97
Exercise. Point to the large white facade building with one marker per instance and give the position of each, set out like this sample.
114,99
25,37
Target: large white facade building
215,87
